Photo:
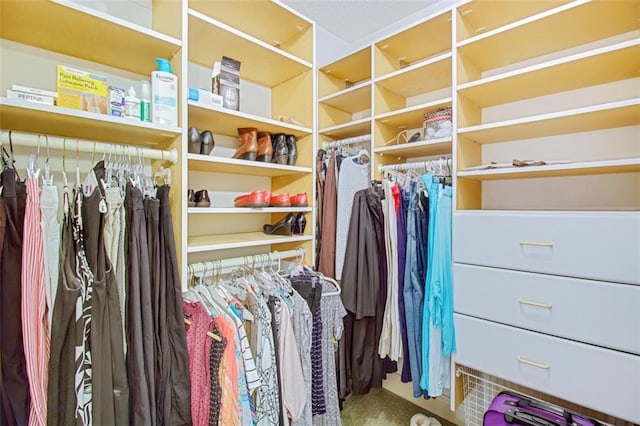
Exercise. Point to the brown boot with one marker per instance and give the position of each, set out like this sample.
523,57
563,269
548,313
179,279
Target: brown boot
248,148
265,149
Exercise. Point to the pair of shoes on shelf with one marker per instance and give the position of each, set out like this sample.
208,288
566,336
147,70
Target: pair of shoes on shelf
254,145
285,149
200,142
198,198
285,200
266,199
291,224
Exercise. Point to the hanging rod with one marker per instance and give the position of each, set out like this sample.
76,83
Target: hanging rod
347,141
59,143
427,164
251,260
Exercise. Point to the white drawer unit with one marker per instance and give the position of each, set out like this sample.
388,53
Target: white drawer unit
602,379
602,313
595,245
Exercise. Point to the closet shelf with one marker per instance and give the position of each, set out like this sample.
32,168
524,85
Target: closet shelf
563,27
423,77
627,165
413,114
226,121
347,130
261,62
354,99
355,68
603,116
237,210
481,16
73,29
208,163
287,32
434,32
65,122
431,147
619,61
202,243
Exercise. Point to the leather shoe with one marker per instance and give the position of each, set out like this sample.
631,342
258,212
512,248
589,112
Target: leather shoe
280,150
283,227
206,142
299,200
292,150
193,140
280,200
202,198
265,148
299,224
254,199
248,148
191,198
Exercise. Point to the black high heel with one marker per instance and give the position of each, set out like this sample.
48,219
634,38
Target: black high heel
283,227
300,224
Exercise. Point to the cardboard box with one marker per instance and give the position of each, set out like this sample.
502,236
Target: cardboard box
82,90
30,97
116,101
225,81
33,91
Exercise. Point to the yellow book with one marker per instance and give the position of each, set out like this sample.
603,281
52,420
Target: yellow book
82,90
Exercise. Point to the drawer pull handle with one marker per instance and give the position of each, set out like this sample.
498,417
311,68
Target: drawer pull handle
534,243
534,364
536,304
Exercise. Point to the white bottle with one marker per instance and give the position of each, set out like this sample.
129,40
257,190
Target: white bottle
132,105
164,95
145,100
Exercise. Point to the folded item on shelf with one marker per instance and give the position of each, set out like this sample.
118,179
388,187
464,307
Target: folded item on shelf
516,163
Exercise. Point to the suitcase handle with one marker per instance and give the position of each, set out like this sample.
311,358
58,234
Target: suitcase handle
515,416
523,401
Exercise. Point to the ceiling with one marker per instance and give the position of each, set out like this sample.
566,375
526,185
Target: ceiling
352,20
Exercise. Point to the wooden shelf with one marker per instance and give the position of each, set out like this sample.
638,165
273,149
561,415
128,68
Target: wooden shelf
202,243
629,165
553,30
31,117
207,163
605,116
347,130
426,39
598,66
267,21
226,121
423,77
412,115
417,149
355,67
75,30
480,16
261,63
353,99
246,210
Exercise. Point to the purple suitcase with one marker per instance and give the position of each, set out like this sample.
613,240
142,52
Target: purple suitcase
511,408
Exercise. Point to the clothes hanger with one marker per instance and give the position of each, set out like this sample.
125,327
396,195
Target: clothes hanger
47,178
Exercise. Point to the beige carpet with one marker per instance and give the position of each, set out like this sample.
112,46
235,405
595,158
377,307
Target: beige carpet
381,408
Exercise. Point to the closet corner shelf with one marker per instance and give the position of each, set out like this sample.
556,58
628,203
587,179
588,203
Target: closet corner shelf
209,163
203,243
619,61
423,77
73,29
226,121
353,99
352,67
37,118
627,165
349,129
413,114
261,62
239,210
603,116
430,147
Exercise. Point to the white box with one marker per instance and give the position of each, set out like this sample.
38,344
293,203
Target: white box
29,97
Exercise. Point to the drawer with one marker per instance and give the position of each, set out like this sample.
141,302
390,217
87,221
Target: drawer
602,313
590,376
596,245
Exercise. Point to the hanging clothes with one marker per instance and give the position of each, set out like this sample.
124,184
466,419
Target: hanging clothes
35,326
403,200
327,261
199,346
321,172
50,243
360,366
14,395
302,321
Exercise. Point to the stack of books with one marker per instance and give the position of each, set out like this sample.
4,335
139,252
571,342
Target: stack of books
30,94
